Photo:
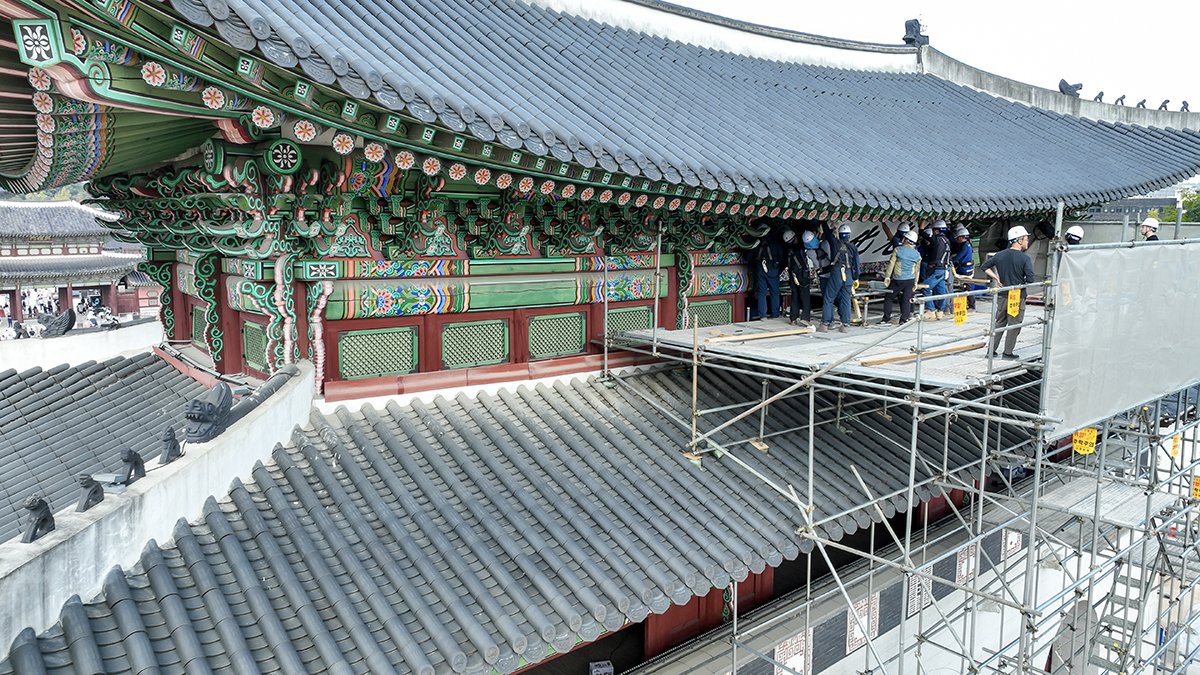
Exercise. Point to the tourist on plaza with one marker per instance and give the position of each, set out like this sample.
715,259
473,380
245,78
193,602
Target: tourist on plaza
901,277
837,276
964,259
1010,267
1150,229
802,263
937,260
768,262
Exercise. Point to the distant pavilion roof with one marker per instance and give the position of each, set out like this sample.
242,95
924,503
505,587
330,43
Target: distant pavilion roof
32,269
554,83
52,220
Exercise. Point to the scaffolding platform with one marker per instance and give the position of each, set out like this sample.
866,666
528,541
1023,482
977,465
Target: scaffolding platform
1121,504
956,357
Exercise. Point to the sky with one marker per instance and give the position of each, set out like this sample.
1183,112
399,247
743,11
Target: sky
1145,49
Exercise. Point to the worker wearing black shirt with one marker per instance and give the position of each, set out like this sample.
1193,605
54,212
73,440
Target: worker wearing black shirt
938,262
802,263
769,260
1150,229
1010,267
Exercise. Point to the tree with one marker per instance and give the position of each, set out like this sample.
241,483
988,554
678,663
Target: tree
1191,210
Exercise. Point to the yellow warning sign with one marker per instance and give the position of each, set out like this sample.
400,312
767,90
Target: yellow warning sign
1084,441
1175,443
1014,302
960,310
1196,487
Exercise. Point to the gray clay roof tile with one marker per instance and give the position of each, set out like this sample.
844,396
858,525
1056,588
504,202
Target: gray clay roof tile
476,533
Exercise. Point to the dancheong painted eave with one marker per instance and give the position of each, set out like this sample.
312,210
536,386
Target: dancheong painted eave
550,82
555,94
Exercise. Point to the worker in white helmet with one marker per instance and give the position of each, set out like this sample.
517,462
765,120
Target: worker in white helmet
840,257
1010,267
1074,235
1150,229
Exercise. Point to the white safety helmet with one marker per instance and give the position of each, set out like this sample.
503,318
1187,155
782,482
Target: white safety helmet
844,229
807,236
1074,234
911,236
789,236
1016,232
962,231
939,225
1151,223
904,228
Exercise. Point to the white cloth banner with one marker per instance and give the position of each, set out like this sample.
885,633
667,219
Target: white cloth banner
1125,331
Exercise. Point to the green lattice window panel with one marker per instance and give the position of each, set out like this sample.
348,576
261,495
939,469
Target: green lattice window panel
376,353
474,343
710,313
629,318
198,326
254,345
557,335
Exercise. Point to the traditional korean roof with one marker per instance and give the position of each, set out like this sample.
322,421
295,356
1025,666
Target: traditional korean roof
478,534
62,268
52,220
58,423
557,84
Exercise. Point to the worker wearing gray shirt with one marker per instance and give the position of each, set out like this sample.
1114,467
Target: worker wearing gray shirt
1010,267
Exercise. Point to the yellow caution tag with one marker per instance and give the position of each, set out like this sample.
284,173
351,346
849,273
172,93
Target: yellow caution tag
960,310
1014,302
1175,443
1084,441
1196,487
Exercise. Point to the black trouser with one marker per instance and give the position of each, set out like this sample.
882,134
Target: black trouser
902,289
801,299
1003,319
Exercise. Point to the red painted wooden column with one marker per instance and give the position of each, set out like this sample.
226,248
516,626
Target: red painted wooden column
231,325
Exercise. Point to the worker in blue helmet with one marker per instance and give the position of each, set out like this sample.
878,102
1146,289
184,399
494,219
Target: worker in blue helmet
840,271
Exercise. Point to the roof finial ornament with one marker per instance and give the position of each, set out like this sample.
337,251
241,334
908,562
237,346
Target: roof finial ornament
1142,103
1099,98
1069,89
1120,100
1163,105
91,492
41,519
912,33
1184,107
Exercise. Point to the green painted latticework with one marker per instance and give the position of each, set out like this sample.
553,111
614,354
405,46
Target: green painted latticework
474,343
198,327
557,335
254,345
711,313
376,353
629,318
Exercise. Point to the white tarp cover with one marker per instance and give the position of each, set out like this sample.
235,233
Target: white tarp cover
1125,331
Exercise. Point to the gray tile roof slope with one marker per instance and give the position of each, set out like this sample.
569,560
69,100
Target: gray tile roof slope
552,83
51,220
58,423
34,268
465,535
